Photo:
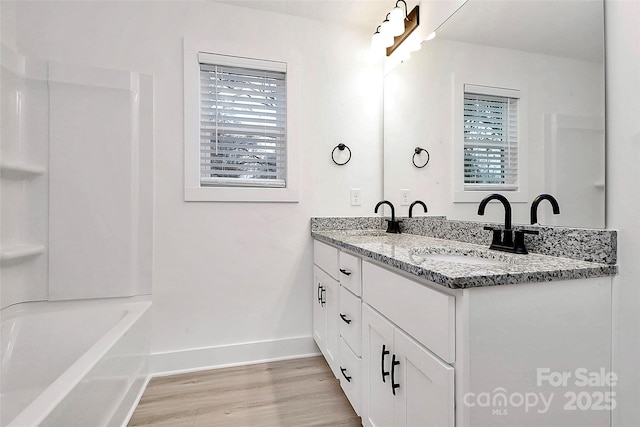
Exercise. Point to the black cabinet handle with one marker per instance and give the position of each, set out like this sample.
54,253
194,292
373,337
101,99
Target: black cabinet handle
394,385
343,370
323,301
344,317
345,272
384,353
319,297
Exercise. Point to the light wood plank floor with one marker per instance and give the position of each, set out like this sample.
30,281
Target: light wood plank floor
300,392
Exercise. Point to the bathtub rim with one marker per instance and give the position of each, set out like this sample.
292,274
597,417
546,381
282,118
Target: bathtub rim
38,410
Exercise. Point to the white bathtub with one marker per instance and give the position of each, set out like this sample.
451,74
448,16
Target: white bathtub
73,363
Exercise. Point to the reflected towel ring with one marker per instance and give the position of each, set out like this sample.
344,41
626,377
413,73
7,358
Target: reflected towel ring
416,152
340,147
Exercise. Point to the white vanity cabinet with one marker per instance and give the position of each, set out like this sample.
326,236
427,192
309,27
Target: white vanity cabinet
337,316
411,352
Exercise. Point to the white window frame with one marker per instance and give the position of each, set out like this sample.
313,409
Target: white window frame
462,195
193,191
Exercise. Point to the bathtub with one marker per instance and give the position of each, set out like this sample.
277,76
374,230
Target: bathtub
73,363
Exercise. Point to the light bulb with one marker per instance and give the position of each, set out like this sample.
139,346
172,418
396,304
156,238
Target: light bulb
380,41
396,19
387,39
386,27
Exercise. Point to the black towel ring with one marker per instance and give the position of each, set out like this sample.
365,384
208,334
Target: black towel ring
340,147
416,152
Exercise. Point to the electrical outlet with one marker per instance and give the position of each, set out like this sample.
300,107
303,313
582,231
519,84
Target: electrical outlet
356,197
404,197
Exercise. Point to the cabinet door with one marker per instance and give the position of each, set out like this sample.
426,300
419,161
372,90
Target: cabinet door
326,314
424,394
319,318
377,348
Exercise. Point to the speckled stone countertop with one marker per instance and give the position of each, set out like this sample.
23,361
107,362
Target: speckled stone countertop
457,264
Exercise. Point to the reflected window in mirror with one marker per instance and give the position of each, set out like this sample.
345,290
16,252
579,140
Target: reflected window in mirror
490,139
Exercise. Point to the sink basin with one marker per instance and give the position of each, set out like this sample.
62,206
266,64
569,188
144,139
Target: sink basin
458,256
460,259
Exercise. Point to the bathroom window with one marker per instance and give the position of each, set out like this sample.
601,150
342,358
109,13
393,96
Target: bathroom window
238,113
243,123
490,129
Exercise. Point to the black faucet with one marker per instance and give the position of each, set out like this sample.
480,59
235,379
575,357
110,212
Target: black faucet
505,242
393,226
536,202
501,238
417,202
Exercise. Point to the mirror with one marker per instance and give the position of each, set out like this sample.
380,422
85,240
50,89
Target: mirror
552,53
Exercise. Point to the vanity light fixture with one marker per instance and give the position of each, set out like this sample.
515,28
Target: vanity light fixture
381,40
395,28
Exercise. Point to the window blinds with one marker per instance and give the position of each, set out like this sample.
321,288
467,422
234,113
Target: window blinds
490,142
243,134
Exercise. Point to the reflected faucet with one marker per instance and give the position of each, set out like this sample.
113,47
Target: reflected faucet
393,226
536,202
417,202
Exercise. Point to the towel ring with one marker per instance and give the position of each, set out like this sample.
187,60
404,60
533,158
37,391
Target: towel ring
340,147
416,152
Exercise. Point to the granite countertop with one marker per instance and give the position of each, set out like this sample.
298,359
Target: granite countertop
459,265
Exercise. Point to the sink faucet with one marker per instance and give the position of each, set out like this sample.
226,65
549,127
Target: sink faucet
503,239
417,202
536,202
507,238
393,225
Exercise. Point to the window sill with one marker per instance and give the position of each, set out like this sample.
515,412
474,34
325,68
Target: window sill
235,194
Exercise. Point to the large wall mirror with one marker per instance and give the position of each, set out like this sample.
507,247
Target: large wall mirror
551,54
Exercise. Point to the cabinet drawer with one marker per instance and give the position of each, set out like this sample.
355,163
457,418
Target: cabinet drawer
351,273
350,320
350,375
424,313
326,257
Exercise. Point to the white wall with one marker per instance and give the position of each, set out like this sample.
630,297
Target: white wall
623,198
229,273
548,84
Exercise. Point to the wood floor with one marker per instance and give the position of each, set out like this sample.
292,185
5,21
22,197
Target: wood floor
300,392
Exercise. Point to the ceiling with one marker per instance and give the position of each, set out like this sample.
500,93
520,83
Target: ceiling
569,28
361,13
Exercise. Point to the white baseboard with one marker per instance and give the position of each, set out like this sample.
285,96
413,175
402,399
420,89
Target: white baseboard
199,359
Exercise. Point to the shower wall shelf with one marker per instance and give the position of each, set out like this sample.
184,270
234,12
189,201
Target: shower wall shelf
20,252
20,170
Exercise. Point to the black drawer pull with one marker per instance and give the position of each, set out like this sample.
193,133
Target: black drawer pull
394,385
343,370
384,353
323,301
345,272
344,317
319,296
